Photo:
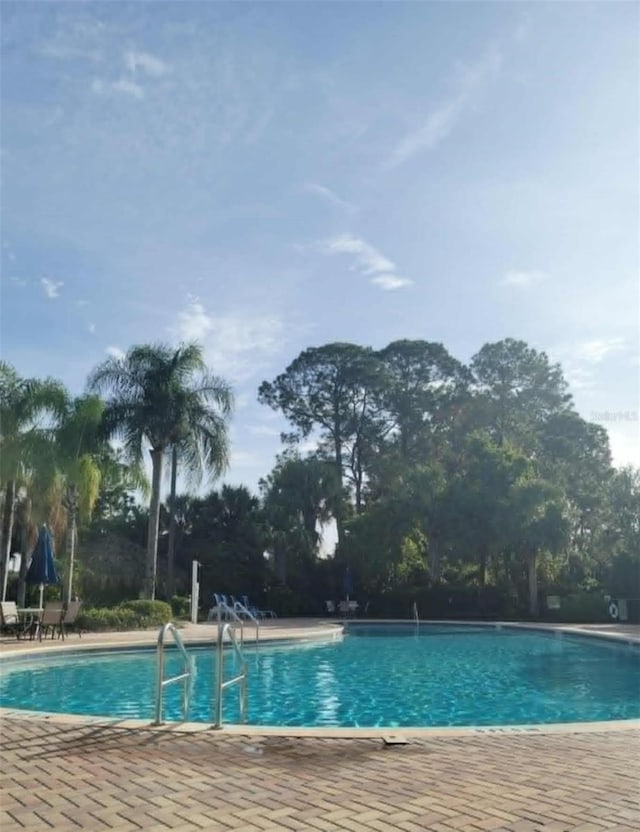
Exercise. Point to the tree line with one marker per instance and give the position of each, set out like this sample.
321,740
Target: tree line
480,474
439,476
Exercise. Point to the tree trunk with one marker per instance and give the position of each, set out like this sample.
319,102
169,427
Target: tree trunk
25,545
71,504
7,527
340,501
533,584
3,496
72,554
172,525
434,559
484,563
358,486
281,565
149,588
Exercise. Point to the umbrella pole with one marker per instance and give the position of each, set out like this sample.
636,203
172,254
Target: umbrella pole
41,595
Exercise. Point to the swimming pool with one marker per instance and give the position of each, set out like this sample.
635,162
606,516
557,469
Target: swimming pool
374,677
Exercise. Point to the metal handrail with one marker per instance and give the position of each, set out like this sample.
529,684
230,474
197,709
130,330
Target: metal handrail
186,677
246,611
229,611
241,678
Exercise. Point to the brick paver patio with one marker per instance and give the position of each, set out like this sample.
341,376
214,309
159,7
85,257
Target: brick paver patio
100,775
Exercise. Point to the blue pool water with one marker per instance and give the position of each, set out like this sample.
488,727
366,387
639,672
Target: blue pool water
386,677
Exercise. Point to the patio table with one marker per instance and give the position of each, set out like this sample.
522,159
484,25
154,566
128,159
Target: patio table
30,619
348,607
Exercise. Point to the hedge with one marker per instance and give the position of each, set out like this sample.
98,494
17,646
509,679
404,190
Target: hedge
130,615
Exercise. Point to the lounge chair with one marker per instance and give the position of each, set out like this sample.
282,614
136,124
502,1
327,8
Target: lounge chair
9,618
220,605
69,618
241,609
51,619
255,612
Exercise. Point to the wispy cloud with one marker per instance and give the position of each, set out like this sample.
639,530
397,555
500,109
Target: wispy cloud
580,360
75,39
598,349
8,252
91,327
580,379
115,352
244,459
262,430
443,118
193,322
307,446
437,127
51,287
367,260
128,87
389,282
138,65
123,86
328,195
145,62
237,345
523,278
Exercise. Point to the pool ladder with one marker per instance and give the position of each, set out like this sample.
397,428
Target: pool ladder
228,631
186,677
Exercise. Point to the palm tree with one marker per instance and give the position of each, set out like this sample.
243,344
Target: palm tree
29,409
164,397
199,444
80,449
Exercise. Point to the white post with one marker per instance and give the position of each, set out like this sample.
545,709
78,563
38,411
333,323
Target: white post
195,590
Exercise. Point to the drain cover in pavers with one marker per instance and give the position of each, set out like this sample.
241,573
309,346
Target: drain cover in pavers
395,739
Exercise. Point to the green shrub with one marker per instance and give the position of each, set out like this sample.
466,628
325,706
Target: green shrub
130,615
581,608
150,613
101,618
443,601
181,606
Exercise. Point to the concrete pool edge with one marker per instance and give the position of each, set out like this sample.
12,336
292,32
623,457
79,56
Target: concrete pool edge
147,639
405,732
311,631
300,630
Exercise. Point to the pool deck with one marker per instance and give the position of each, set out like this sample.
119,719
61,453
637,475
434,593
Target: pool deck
64,774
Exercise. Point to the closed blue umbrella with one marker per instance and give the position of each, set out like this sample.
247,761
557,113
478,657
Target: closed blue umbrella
347,584
42,569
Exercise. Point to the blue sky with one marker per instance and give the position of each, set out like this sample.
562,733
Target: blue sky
266,177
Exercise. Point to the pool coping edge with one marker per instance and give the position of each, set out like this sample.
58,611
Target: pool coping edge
332,630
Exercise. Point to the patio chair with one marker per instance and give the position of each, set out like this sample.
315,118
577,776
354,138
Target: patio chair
220,604
243,609
51,620
69,618
239,608
9,618
255,611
